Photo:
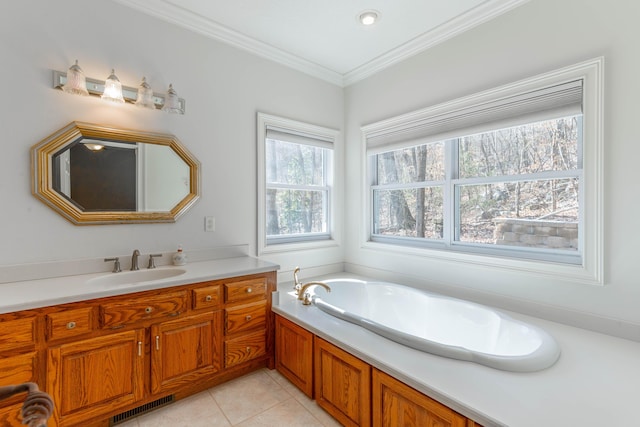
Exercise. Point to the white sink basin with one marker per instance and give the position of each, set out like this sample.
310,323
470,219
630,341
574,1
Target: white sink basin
135,277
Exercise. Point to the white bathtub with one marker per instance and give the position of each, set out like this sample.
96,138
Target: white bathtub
439,325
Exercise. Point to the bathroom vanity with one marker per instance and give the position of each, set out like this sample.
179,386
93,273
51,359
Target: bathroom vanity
139,348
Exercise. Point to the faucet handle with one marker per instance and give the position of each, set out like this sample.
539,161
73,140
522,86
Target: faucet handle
116,264
152,262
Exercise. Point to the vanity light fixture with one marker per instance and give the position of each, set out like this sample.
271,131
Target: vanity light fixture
112,89
74,81
368,17
172,103
145,95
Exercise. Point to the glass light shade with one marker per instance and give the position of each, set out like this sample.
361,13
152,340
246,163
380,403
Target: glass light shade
145,95
112,89
172,102
76,81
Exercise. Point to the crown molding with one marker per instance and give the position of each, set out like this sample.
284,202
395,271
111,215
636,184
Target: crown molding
197,23
184,18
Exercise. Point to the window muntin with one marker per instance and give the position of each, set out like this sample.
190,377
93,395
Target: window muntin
512,187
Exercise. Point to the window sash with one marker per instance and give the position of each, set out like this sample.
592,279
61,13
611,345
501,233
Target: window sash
451,222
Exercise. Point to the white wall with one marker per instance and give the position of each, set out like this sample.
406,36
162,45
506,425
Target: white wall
540,36
224,89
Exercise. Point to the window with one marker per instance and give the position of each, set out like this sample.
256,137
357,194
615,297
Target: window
513,172
295,167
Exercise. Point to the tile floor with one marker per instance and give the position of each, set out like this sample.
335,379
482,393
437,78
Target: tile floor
262,398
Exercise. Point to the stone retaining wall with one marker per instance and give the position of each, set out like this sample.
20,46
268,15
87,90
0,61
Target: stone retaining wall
536,233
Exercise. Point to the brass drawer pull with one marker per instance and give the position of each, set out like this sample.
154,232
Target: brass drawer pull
71,325
249,290
248,349
148,310
139,348
247,317
208,298
157,342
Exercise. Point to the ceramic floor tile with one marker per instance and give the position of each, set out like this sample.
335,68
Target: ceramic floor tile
309,404
131,423
199,410
289,413
248,396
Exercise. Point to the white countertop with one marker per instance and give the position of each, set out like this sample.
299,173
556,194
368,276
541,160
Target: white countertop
596,381
29,294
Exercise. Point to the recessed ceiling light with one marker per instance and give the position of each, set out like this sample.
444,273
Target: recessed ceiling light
368,17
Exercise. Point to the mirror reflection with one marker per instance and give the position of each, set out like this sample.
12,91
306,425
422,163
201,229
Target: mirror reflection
120,176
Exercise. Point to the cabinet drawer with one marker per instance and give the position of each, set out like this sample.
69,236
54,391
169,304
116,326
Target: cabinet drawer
244,348
18,369
150,307
245,317
206,297
17,333
245,289
69,323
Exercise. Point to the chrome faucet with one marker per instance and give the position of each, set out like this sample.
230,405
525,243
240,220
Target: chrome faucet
134,260
116,264
152,263
305,296
296,282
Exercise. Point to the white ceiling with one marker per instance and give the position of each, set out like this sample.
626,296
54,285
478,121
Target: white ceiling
323,37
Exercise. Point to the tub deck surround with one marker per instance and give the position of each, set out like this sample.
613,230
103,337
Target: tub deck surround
439,325
594,382
30,294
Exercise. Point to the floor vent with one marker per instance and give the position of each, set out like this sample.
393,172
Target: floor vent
120,418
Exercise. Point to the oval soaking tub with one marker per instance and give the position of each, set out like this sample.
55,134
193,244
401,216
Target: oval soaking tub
438,324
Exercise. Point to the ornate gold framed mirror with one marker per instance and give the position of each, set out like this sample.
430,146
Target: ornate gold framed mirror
93,174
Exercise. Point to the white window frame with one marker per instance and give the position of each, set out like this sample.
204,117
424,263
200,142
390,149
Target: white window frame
328,139
590,270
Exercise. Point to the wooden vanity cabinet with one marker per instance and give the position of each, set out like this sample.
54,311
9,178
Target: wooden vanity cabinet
352,391
294,354
246,316
184,351
19,362
100,358
342,384
93,377
396,404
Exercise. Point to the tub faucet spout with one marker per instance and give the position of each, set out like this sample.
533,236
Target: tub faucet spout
305,296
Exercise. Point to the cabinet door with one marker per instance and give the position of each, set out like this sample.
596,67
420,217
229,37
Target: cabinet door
396,404
185,350
294,354
93,377
342,384
15,370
